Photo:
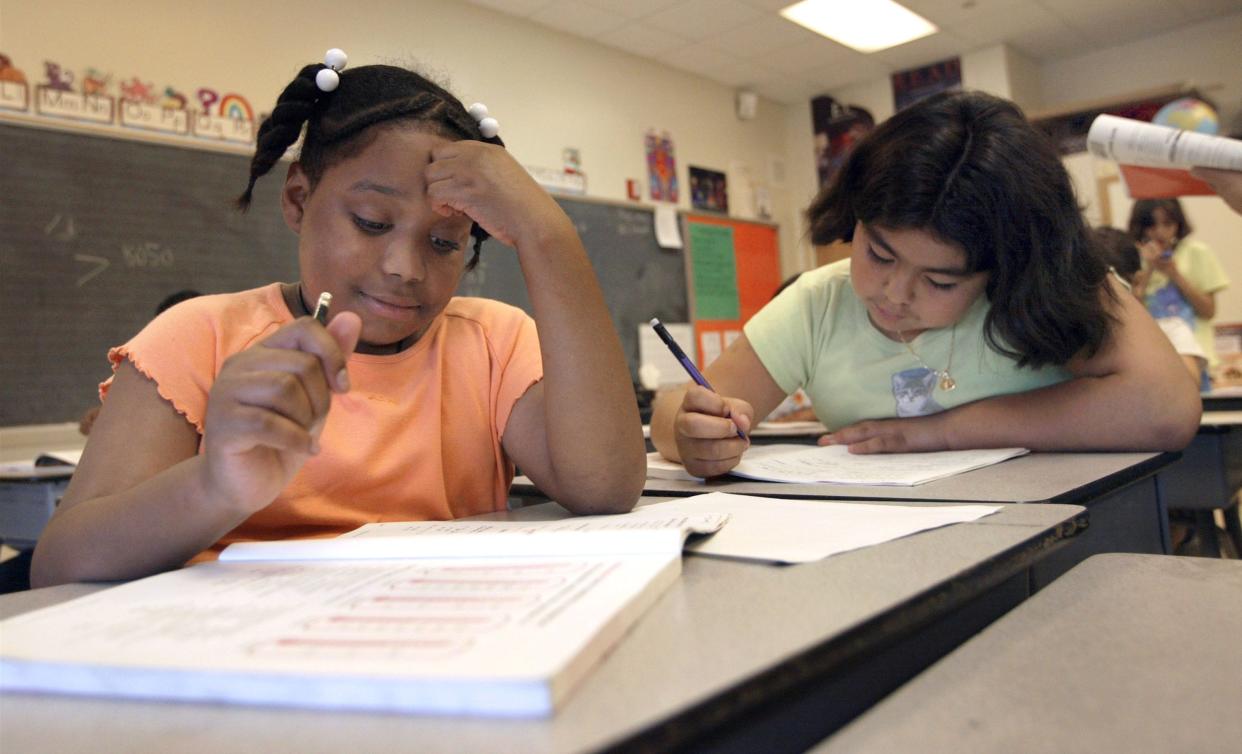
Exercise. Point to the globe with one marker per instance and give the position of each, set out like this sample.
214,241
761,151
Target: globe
1189,114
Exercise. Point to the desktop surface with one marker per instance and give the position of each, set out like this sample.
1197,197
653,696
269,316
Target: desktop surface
727,639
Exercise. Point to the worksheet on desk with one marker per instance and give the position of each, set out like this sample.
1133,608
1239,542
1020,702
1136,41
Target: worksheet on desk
834,464
799,531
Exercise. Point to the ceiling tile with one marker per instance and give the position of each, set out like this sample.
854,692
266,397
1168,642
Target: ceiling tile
939,46
700,19
643,40
807,55
992,27
757,38
514,7
712,63
958,12
579,19
1199,10
633,8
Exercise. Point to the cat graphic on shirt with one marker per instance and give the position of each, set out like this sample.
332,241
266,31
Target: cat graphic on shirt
912,391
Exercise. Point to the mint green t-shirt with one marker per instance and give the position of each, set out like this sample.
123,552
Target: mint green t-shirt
816,335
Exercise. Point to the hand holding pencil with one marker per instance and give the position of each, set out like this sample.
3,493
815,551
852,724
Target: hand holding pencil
268,405
711,429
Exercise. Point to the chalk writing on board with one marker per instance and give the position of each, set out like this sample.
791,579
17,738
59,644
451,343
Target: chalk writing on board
101,264
631,223
61,228
148,254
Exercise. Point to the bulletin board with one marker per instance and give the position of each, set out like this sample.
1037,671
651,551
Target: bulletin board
732,269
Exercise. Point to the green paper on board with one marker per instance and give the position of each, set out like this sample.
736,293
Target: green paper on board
715,272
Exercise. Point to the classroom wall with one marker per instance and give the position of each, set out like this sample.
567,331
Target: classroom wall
549,90
552,90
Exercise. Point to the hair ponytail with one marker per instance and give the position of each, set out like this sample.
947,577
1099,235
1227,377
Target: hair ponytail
281,129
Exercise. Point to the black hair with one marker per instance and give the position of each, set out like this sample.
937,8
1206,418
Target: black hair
173,299
1143,216
1119,250
788,282
970,170
339,124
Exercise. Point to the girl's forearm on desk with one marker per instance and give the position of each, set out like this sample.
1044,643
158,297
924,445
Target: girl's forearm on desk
1084,413
152,527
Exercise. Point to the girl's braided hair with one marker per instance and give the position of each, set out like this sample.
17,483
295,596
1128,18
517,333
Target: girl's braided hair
337,124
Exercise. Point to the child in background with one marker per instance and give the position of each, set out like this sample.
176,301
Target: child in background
973,311
1121,251
1180,277
239,417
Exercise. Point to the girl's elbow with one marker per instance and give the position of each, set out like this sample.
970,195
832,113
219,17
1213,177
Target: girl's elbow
1174,429
608,493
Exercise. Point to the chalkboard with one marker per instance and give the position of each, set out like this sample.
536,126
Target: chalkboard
96,231
639,279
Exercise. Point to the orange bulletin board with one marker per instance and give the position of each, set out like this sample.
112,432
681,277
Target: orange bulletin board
732,269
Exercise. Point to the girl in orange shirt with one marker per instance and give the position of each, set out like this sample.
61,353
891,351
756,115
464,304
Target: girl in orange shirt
237,416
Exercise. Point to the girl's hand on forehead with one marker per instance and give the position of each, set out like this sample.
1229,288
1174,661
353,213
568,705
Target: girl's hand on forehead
909,435
484,182
268,406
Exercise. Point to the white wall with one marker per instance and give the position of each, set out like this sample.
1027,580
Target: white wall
548,89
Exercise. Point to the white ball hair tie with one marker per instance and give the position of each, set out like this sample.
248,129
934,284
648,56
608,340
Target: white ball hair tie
488,126
328,79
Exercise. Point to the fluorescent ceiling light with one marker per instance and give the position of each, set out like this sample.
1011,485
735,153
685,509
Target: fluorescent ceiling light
865,25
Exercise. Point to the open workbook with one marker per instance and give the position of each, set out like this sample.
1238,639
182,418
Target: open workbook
458,617
1154,159
834,464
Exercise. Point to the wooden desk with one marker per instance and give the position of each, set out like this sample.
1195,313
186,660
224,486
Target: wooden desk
736,653
1119,489
1125,653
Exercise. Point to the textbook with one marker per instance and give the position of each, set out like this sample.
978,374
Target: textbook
459,617
834,464
1154,159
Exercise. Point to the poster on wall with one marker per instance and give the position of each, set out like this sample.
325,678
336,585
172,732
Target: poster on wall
661,167
914,84
837,129
709,190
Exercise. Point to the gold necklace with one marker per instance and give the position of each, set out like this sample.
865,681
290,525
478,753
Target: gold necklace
947,382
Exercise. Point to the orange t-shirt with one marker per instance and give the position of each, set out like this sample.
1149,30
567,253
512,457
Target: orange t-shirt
416,438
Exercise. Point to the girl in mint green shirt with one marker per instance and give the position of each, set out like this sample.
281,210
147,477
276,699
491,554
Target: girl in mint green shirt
973,311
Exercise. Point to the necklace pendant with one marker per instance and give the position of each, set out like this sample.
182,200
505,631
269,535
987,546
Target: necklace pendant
947,382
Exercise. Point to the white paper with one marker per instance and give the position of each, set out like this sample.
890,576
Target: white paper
653,352
800,531
1133,142
711,347
506,637
638,532
659,467
835,464
667,229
